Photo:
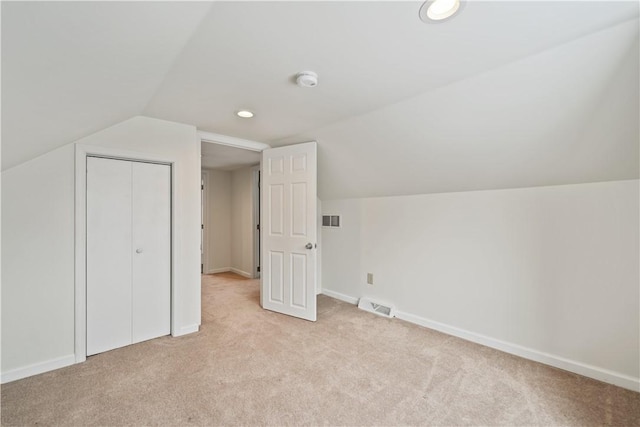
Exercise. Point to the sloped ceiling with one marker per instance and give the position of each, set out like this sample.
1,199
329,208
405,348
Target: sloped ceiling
70,69
506,94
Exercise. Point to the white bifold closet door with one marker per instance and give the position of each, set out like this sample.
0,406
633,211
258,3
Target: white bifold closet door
128,252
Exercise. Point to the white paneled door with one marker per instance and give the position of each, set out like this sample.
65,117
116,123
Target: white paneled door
128,252
288,205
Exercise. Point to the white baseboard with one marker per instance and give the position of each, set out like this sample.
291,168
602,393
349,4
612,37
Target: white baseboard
230,269
37,368
185,330
242,273
341,297
590,371
583,369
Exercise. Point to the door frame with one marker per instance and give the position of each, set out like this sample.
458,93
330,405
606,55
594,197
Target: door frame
255,184
204,209
82,152
245,144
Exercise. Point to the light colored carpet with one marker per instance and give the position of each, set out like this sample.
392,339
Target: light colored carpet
248,366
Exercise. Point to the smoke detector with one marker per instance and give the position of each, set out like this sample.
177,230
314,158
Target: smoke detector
307,79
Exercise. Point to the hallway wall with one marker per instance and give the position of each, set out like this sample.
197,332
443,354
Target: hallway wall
242,221
229,221
217,221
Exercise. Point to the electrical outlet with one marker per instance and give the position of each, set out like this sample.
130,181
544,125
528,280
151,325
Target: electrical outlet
370,278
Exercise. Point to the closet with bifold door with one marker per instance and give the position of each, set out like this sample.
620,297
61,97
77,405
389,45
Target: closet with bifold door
128,252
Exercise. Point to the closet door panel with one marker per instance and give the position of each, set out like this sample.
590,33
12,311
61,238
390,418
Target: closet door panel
151,218
108,254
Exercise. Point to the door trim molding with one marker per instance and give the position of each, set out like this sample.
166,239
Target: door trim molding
82,152
232,141
204,241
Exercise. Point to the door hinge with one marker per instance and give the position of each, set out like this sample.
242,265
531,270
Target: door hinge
258,269
202,186
258,227
202,226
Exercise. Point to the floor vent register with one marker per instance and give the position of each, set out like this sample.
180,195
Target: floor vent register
376,307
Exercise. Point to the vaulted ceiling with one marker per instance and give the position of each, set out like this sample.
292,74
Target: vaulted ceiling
504,95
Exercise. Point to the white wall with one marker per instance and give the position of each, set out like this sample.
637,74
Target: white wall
180,143
218,221
38,264
242,221
38,240
550,273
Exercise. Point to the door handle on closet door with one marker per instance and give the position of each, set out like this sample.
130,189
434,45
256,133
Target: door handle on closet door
139,250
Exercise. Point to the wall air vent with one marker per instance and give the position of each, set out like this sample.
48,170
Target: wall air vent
376,307
331,221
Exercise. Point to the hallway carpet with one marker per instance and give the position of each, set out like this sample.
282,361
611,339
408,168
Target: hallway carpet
248,366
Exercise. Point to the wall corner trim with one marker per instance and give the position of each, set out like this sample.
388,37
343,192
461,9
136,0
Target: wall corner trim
579,368
38,368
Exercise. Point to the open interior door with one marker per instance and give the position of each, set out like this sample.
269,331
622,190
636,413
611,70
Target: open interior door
288,222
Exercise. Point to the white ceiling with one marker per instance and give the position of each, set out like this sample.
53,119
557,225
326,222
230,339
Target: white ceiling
506,94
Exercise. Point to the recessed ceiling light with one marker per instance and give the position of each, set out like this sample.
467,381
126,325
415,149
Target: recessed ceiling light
245,114
438,10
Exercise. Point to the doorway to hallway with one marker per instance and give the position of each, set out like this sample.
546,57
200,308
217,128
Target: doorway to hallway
230,211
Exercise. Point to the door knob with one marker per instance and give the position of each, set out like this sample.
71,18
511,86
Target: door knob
139,250
309,246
